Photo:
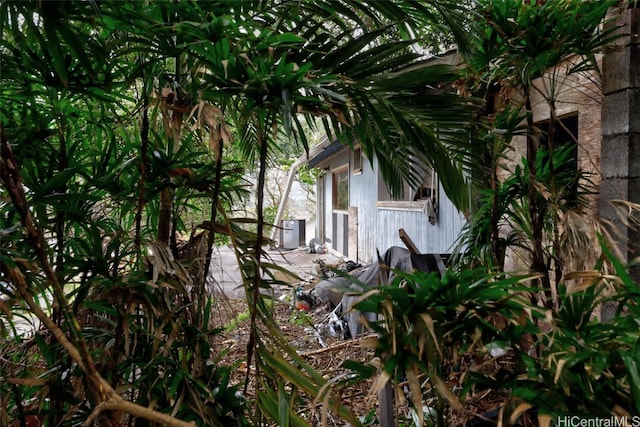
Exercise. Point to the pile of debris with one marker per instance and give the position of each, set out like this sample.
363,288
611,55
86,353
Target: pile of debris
338,286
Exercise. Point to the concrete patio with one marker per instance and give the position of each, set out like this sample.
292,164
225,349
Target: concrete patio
226,272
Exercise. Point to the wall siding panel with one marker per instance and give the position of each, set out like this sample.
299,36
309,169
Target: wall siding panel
363,195
377,227
438,238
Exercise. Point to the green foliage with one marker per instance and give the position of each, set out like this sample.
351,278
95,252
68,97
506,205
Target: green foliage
530,213
300,318
585,366
429,324
560,360
589,366
237,321
519,42
126,125
564,362
504,208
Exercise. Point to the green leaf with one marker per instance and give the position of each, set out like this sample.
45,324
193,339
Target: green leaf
285,38
176,382
632,363
58,59
77,47
283,407
361,371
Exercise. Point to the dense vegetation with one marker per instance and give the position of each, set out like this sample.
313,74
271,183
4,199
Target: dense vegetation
128,129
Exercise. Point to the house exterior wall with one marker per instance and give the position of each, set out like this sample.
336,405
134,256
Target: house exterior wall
577,93
615,156
363,195
608,130
378,223
437,238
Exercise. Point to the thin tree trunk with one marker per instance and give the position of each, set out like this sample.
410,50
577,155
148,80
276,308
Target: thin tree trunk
144,144
165,229
537,210
164,217
251,344
215,198
557,258
496,247
59,395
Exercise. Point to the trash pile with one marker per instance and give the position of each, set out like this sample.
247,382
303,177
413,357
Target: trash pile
337,286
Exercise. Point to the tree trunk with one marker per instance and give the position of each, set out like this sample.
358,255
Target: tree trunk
537,209
164,217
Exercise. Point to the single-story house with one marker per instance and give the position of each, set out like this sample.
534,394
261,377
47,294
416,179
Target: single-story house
357,216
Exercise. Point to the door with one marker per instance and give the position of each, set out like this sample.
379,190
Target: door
341,232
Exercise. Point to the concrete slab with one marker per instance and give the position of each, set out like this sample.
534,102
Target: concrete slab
228,280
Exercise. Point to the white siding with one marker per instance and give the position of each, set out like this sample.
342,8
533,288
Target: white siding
364,194
378,226
437,238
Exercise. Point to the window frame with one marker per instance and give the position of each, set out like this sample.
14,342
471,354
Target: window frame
357,160
572,123
342,170
410,200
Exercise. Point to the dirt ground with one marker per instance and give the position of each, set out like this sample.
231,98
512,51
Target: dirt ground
303,331
326,354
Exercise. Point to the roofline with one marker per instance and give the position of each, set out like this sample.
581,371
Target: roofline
324,153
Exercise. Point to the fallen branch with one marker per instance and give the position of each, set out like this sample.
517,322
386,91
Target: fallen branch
116,403
343,344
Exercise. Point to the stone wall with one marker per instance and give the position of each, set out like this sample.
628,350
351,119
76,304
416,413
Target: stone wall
575,93
621,129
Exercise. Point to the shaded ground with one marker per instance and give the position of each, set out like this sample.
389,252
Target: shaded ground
325,355
307,332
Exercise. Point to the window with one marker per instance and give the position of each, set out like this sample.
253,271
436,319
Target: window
340,187
356,162
565,136
424,198
427,190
